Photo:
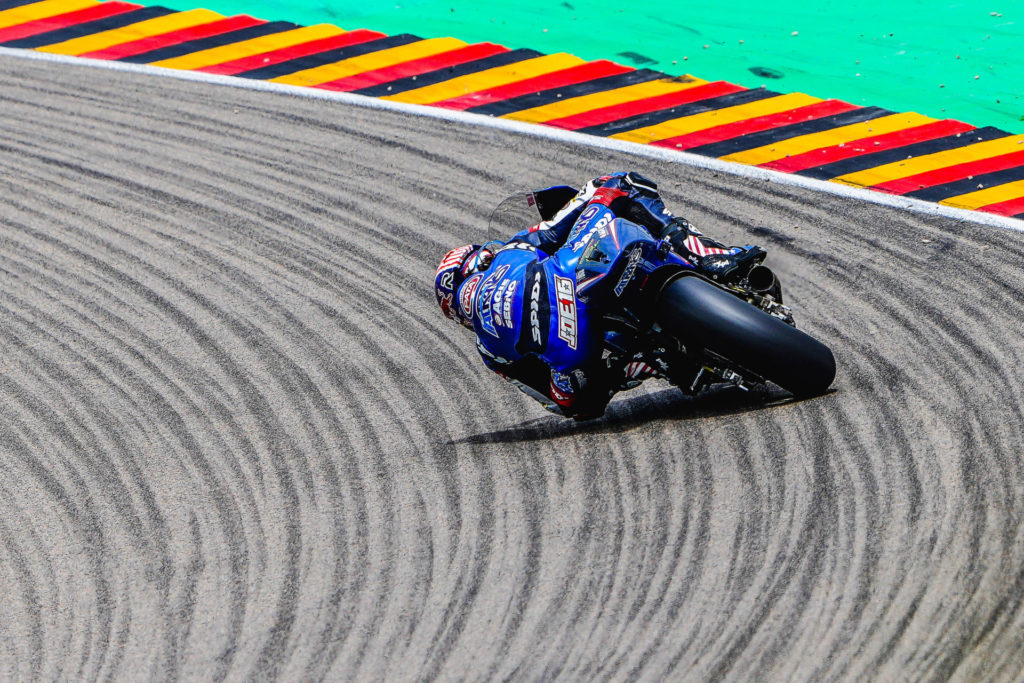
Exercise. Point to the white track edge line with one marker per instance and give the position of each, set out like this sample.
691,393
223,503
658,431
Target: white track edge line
537,130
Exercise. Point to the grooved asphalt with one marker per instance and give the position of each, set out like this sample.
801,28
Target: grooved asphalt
238,440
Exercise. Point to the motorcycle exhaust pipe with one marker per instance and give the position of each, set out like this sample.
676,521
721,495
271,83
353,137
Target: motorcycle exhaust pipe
761,279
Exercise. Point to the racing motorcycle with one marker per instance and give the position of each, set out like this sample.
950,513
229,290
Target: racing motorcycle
655,309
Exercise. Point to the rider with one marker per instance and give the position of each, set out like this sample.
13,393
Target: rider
525,317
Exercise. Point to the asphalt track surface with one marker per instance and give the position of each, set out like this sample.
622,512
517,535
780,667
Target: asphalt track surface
239,441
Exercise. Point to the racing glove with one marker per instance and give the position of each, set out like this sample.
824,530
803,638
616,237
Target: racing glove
582,394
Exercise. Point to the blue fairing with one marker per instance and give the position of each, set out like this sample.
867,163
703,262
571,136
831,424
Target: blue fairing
602,257
593,251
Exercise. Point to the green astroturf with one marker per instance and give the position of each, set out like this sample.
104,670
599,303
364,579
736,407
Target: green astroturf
961,60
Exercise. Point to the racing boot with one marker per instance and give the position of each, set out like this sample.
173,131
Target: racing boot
732,265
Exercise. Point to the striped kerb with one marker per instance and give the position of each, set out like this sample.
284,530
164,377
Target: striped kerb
906,154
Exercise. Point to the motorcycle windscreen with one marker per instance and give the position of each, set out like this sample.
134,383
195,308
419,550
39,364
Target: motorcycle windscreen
520,210
516,212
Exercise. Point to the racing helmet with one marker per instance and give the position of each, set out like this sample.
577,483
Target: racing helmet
457,265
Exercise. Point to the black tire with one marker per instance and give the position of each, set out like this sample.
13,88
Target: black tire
702,316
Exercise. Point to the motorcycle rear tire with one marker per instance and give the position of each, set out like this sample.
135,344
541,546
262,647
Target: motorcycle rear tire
703,316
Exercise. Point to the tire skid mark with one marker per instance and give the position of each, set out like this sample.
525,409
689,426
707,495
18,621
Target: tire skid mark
82,518
184,437
16,558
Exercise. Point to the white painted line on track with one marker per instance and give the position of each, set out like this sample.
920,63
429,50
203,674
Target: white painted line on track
537,130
